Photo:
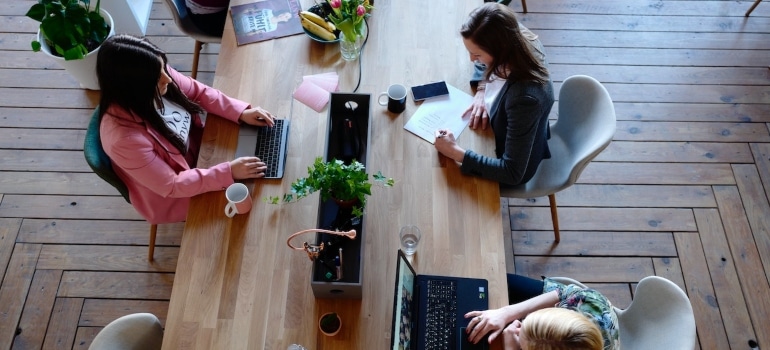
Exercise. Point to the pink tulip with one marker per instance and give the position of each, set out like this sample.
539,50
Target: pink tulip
360,10
335,3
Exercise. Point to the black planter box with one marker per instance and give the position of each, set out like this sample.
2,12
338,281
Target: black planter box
347,139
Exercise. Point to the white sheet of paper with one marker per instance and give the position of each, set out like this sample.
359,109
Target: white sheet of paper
443,112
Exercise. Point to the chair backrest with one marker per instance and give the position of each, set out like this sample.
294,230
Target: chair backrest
140,331
586,120
98,160
584,128
659,317
179,10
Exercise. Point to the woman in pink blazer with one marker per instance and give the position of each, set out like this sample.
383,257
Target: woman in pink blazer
151,128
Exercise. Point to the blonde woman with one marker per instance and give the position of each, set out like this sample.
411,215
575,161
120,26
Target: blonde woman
522,326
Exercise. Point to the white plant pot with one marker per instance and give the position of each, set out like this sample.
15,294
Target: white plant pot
83,70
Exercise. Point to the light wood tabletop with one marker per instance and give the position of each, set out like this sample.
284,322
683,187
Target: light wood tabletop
237,284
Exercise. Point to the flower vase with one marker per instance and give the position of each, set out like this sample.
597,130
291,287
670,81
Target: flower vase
350,48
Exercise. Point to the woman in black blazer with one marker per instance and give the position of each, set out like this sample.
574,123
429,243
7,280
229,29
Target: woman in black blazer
514,96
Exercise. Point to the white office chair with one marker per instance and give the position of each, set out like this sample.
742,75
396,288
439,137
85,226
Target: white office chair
660,316
140,331
584,128
185,24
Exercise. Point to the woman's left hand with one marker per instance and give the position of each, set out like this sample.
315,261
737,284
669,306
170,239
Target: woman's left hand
257,116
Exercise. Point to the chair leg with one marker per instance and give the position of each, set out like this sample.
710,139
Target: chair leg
524,5
196,54
554,218
153,231
752,7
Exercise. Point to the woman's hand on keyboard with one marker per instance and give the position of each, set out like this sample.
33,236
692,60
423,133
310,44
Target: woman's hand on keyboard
247,168
257,116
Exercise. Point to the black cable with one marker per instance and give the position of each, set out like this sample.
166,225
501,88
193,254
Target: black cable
360,57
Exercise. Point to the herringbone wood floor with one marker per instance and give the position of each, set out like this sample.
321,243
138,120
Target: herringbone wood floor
682,192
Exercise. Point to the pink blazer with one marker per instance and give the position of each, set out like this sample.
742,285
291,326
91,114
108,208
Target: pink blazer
160,182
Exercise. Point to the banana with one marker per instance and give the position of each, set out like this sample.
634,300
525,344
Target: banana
318,20
316,29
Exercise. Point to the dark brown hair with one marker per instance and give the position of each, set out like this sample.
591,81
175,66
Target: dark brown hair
128,69
494,28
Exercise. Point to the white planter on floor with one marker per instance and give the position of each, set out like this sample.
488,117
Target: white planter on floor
84,70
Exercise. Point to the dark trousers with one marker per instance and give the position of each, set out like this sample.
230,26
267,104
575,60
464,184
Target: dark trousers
212,24
521,288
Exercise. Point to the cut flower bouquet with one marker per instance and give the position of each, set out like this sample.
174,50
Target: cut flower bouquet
349,15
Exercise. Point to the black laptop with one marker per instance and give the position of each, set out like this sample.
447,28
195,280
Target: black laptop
266,143
428,311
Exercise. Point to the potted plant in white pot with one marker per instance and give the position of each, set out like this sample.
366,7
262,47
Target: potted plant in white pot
71,32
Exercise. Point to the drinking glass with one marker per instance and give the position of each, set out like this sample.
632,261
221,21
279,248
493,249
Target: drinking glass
410,236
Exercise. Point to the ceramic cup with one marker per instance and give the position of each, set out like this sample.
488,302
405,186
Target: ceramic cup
238,199
396,98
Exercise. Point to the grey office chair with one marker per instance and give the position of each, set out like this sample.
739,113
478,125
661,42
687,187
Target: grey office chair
101,164
508,2
584,128
660,316
752,7
140,331
185,24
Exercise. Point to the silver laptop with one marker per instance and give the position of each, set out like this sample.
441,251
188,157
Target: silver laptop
266,143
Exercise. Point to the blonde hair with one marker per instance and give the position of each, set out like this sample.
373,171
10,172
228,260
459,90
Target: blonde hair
556,329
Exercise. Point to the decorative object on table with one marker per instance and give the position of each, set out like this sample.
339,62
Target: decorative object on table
350,18
347,184
314,250
316,23
265,20
314,89
330,324
72,32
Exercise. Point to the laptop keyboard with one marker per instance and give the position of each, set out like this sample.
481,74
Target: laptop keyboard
270,148
441,314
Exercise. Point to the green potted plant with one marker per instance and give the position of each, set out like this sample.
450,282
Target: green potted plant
330,324
346,184
71,31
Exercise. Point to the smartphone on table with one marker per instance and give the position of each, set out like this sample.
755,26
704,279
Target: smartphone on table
422,92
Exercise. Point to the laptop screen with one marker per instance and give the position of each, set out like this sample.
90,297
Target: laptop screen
403,305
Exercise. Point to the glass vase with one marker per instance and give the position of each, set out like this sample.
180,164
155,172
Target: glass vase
350,49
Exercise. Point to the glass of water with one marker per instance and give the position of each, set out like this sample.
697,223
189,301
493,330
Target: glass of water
410,237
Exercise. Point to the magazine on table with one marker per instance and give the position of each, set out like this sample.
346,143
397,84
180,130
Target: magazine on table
265,20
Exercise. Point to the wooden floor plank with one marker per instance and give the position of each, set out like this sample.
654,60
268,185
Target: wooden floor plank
603,219
116,285
669,39
577,243
29,182
40,118
37,309
43,160
706,308
84,337
756,205
100,312
679,152
657,173
761,152
625,196
67,207
746,259
695,132
695,112
64,324
107,258
586,269
49,139
111,232
14,289
9,230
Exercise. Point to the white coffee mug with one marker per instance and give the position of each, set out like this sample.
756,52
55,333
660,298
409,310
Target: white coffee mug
238,199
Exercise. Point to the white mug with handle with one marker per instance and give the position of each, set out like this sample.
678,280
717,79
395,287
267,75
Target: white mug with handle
238,199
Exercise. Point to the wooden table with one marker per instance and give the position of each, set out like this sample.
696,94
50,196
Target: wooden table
238,286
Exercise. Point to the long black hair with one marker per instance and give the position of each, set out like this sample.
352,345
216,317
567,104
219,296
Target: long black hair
128,69
494,28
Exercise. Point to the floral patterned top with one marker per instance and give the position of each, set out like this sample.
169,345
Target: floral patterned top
590,303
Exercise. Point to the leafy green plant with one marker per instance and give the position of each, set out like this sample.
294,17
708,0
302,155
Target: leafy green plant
69,27
337,180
